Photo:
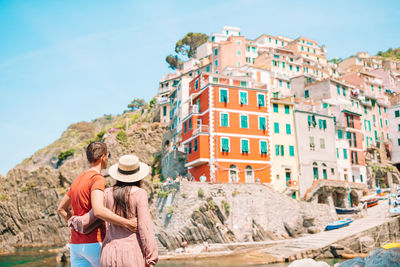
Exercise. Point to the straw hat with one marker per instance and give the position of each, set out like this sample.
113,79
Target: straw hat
129,169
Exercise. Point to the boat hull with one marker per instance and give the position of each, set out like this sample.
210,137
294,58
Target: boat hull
346,210
338,224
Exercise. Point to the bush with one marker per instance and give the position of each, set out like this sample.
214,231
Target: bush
108,116
163,193
226,206
184,195
122,137
170,210
65,154
3,198
212,204
200,193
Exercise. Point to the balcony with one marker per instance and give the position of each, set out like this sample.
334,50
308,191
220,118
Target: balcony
201,129
163,100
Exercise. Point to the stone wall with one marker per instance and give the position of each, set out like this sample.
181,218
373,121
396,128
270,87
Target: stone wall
234,213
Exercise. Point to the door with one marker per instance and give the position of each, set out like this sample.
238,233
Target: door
249,175
233,175
288,177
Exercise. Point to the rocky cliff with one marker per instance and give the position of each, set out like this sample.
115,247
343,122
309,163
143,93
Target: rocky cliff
30,193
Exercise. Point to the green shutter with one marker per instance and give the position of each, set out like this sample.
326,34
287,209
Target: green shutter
243,122
340,134
245,146
264,147
324,124
282,150
223,96
287,109
344,153
276,127
262,125
310,122
288,130
224,120
291,151
225,145
338,89
320,124
276,108
277,150
243,98
261,100
397,113
348,135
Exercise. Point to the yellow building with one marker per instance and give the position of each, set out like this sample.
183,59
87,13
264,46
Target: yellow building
285,166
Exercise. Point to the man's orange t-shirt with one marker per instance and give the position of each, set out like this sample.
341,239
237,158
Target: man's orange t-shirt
79,193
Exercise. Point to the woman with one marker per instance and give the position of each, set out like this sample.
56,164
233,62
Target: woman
126,198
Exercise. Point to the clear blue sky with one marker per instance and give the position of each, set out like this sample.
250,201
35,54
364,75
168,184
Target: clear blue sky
66,61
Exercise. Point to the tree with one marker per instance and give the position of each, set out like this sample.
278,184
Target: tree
136,104
188,44
173,62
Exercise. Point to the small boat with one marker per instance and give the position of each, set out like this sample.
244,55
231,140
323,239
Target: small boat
338,224
394,211
391,245
371,201
347,210
352,256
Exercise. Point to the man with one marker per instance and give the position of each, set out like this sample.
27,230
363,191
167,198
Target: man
86,193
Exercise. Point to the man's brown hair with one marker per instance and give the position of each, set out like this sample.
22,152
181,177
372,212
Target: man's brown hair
95,150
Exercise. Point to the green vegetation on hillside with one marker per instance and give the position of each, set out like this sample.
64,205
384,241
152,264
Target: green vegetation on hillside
390,53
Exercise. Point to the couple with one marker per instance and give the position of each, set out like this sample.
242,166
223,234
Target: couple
129,237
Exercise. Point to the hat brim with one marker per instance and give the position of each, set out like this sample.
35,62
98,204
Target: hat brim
141,174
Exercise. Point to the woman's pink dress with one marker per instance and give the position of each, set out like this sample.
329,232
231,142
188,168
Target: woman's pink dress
123,248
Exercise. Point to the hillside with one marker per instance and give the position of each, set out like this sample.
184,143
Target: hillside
29,193
390,53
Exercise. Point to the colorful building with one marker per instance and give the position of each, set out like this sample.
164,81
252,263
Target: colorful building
285,161
227,132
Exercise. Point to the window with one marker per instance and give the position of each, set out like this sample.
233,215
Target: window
275,94
208,69
306,94
243,98
216,52
283,64
196,84
244,121
322,124
224,144
287,109
280,83
315,171
288,85
398,127
223,95
282,150
190,124
277,150
195,145
244,145
290,67
276,127
288,130
361,178
190,147
311,121
337,152
338,89
324,174
263,147
224,120
344,91
297,68
253,49
365,110
243,83
340,134
261,100
322,143
276,107
312,144
398,141
165,111
239,53
291,151
216,63
262,123
344,153
215,80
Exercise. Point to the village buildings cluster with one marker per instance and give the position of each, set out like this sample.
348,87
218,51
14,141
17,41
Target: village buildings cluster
275,110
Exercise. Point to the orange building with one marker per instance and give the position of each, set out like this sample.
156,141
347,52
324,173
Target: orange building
227,132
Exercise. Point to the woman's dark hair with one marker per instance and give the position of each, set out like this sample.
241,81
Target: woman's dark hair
121,193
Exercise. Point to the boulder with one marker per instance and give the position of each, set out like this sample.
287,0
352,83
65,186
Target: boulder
308,263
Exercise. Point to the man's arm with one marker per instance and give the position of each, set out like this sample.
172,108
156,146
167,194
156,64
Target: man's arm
100,211
63,208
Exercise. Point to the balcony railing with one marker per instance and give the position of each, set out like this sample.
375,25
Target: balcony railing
201,129
163,100
195,109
